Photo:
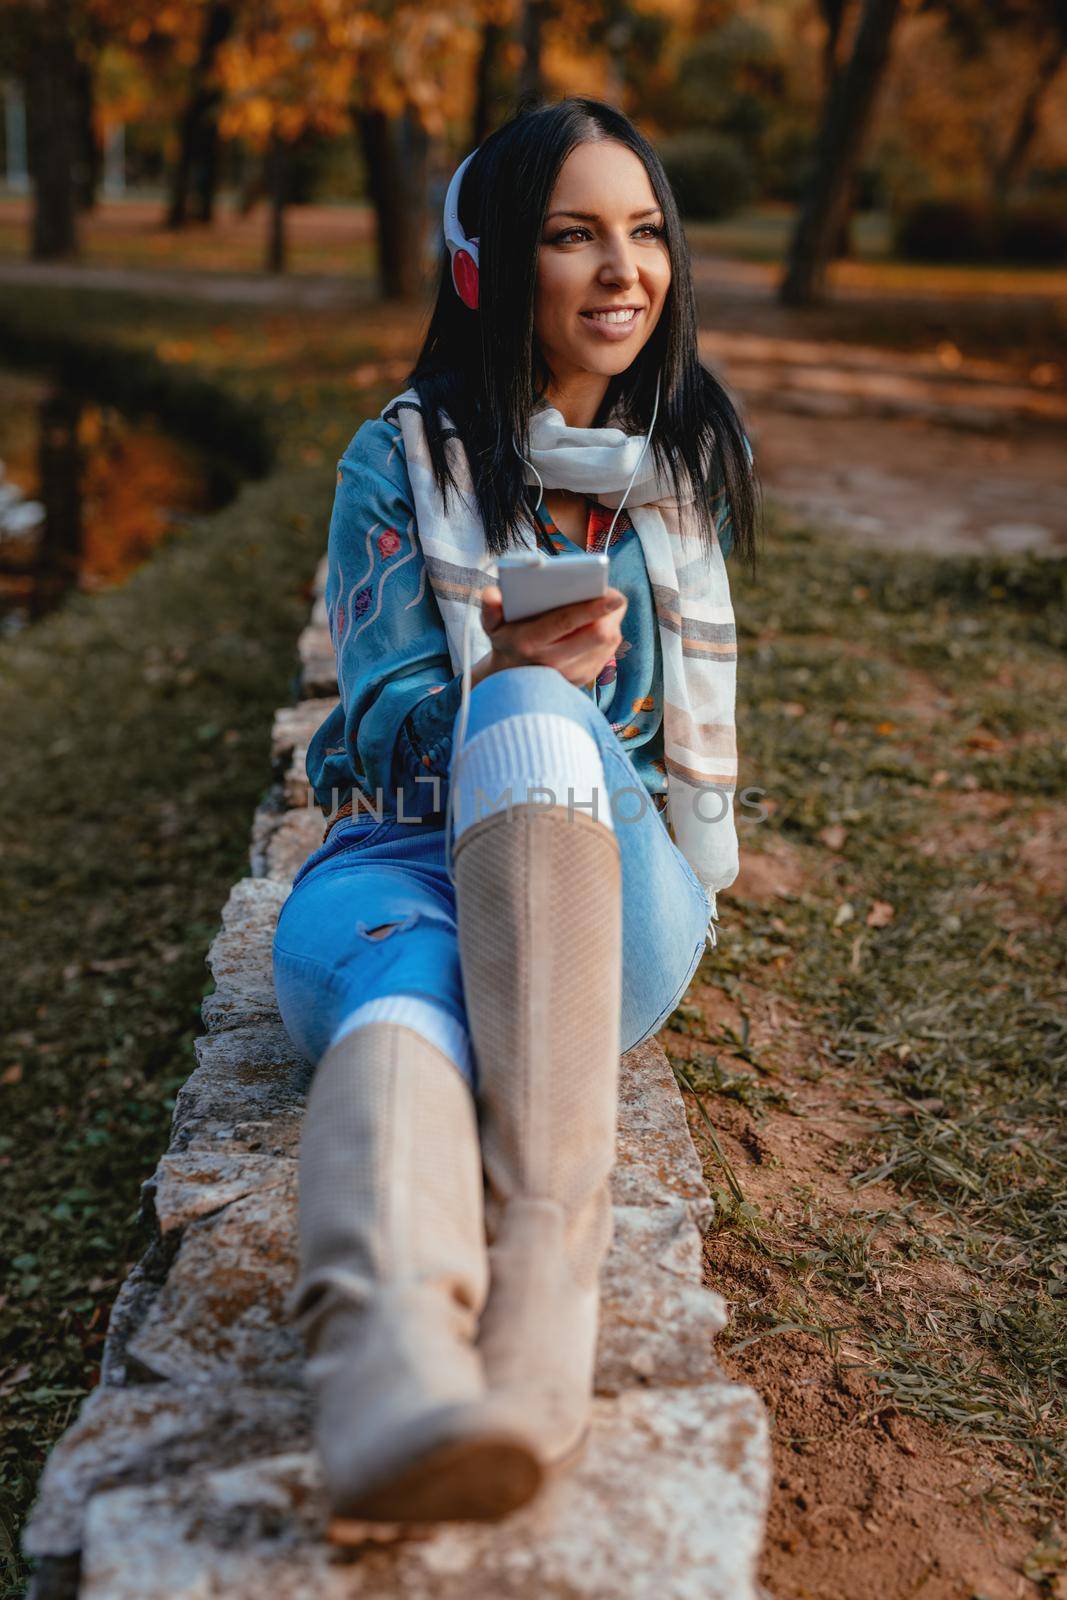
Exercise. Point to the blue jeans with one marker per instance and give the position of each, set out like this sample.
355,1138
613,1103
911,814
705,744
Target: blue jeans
370,873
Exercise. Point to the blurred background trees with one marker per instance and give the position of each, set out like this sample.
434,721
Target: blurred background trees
946,116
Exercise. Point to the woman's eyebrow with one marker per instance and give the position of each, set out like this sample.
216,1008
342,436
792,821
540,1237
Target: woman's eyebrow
591,216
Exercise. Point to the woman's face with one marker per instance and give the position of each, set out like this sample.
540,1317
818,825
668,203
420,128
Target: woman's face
614,255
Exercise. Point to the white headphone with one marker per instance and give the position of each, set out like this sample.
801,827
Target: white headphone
463,251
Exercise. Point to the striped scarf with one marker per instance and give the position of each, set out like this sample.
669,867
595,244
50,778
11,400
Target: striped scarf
691,593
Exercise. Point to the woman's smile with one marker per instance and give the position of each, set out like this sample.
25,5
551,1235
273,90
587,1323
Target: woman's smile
616,325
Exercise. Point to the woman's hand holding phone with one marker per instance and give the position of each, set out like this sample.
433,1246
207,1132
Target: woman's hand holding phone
578,639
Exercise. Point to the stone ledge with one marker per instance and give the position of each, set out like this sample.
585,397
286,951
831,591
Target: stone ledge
189,1470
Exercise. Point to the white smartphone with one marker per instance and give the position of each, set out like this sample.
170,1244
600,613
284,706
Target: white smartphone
536,582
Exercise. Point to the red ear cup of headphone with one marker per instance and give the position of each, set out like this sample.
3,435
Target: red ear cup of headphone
465,278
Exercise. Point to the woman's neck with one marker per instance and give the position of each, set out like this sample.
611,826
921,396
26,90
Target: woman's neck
579,399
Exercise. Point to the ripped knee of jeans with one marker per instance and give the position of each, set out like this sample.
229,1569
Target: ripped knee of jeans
382,930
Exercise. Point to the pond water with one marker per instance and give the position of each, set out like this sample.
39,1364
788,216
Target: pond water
86,494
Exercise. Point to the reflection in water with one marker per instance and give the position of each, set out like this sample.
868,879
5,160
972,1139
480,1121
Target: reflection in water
85,495
59,545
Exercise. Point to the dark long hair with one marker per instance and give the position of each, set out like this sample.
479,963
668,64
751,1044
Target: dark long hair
484,367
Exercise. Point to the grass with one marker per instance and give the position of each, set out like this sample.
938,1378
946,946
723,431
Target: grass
137,724
883,699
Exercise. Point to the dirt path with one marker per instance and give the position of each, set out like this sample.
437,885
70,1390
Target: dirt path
916,450
907,484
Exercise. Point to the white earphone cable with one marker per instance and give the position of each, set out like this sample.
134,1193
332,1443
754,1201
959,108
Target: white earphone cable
629,486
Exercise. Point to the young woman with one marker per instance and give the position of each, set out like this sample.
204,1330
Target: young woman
498,909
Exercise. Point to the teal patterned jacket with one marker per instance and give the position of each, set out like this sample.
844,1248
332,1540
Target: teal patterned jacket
398,696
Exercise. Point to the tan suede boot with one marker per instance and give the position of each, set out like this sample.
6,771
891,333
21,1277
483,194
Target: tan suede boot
393,1275
539,909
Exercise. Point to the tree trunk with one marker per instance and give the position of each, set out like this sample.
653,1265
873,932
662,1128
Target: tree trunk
488,56
1009,167
833,15
196,169
89,162
531,79
277,174
52,135
206,179
845,124
396,156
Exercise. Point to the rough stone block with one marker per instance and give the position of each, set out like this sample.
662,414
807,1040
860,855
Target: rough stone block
220,1315
240,956
146,1433
657,1321
656,1157
283,837
243,1075
191,1184
132,1303
293,728
667,1504
318,664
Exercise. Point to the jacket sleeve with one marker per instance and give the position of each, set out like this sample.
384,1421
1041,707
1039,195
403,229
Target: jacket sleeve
389,640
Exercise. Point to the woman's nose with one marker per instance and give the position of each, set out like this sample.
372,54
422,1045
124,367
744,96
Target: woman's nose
621,265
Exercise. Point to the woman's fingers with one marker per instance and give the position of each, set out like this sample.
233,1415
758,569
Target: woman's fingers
576,639
580,654
552,626
492,608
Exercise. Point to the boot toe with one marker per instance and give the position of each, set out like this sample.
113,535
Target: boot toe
456,1463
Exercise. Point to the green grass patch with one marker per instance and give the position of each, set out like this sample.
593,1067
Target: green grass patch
137,724
903,716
